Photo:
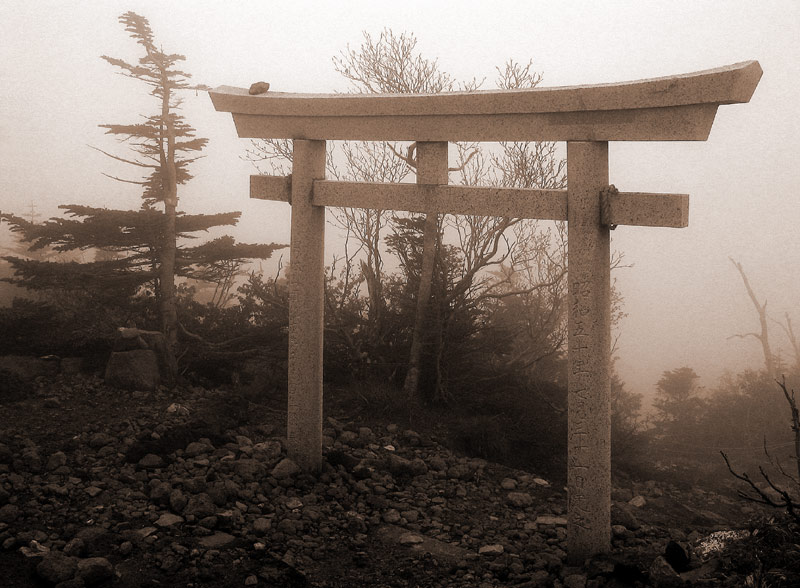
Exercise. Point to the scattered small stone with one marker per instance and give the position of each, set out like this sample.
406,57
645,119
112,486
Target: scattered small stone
94,570
286,468
177,500
251,580
621,514
55,461
491,550
93,491
637,501
56,567
168,519
619,531
391,516
200,506
508,484
178,409
574,581
196,448
410,539
151,461
216,540
261,525
34,551
75,547
551,520
294,503
9,513
258,88
519,499
145,532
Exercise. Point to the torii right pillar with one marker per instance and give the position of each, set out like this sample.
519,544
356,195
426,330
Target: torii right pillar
589,379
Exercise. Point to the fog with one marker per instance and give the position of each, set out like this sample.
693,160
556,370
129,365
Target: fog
683,298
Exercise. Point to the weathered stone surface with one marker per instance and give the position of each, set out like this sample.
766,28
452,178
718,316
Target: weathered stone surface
151,461
391,516
250,470
574,581
177,500
75,547
9,513
621,514
491,550
133,370
261,525
285,469
94,570
589,341
168,519
508,484
29,460
200,505
56,567
638,501
401,467
410,539
55,461
519,499
196,448
551,520
216,540
306,307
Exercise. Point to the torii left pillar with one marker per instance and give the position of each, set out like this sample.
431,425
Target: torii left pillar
306,308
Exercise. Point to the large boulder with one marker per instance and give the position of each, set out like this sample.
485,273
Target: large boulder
136,369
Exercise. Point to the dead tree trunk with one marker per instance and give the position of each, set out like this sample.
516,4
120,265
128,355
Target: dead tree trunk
763,337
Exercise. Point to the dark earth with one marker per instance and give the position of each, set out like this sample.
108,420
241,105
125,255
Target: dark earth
192,487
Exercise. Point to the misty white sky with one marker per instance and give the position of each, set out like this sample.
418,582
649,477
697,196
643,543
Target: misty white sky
683,297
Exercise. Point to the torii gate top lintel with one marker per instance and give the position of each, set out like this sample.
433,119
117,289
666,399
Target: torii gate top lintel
680,107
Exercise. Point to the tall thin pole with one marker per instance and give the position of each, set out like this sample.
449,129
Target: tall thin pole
306,308
431,170
589,324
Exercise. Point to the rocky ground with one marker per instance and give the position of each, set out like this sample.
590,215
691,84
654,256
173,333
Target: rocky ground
192,487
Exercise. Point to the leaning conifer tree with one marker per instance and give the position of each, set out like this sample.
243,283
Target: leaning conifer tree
161,143
142,247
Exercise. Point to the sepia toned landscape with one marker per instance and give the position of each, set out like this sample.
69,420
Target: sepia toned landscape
427,349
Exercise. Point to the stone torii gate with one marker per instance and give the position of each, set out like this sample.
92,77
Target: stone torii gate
676,108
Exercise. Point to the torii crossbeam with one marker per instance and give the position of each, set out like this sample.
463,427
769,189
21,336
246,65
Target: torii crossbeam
676,108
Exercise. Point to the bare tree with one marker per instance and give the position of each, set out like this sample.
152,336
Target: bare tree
392,64
790,334
763,336
777,495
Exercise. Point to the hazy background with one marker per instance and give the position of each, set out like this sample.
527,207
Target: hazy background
683,297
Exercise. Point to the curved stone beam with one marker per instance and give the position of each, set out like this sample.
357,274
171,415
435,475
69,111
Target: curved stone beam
680,107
